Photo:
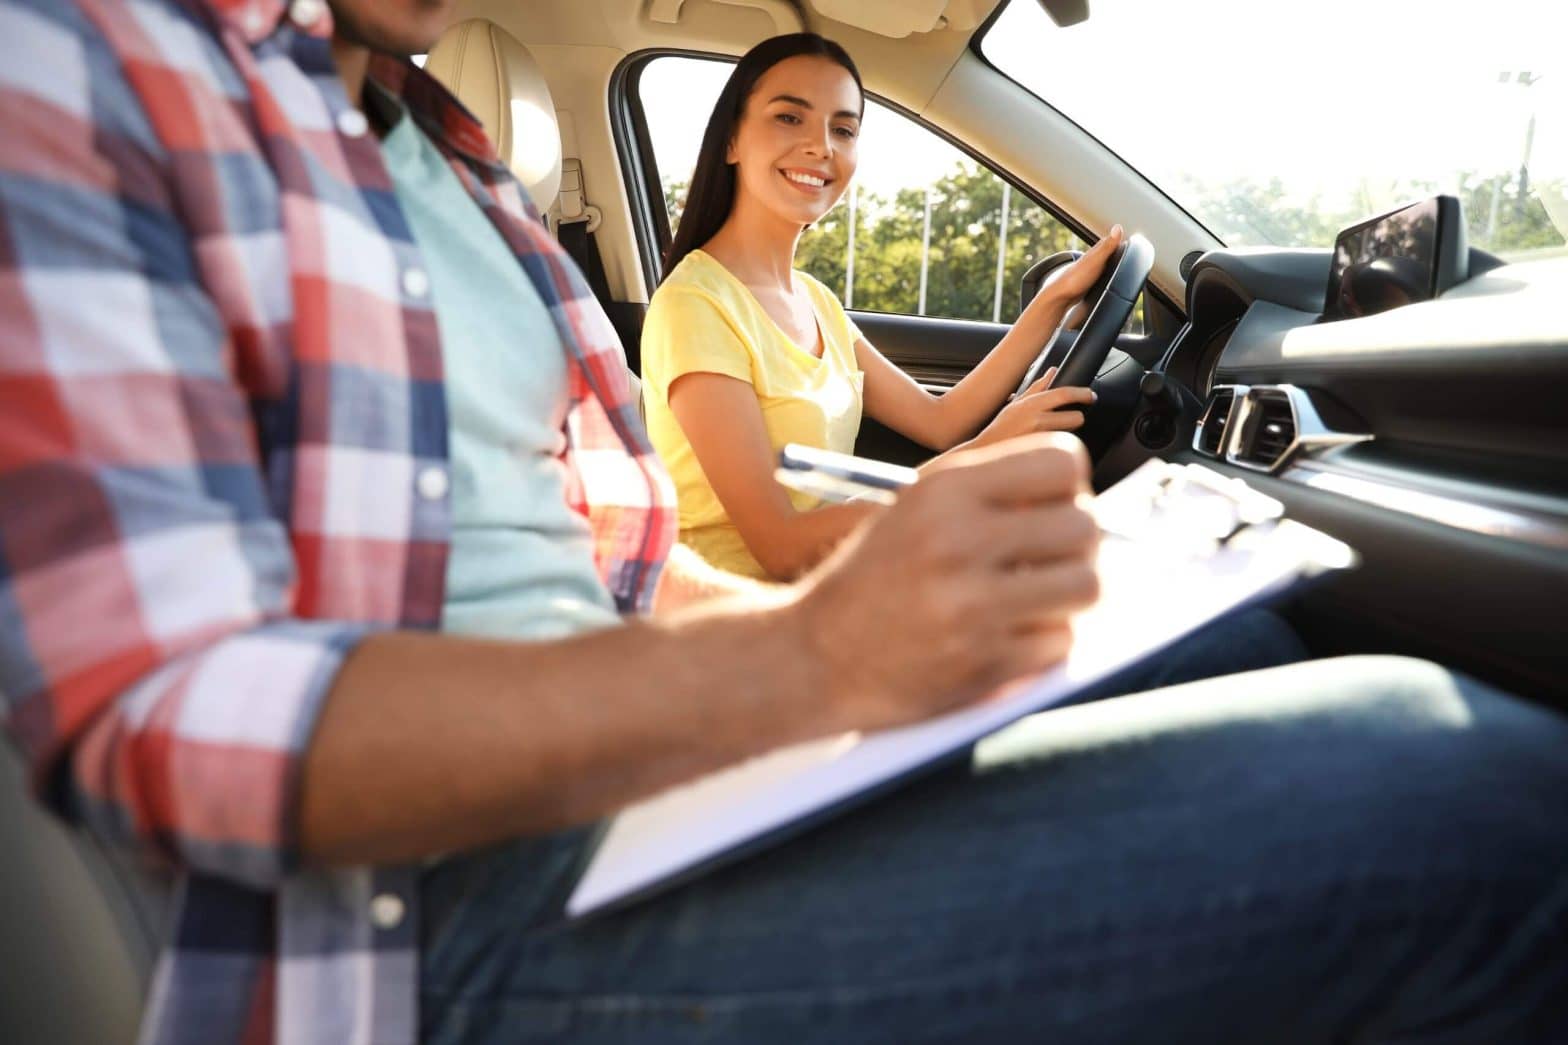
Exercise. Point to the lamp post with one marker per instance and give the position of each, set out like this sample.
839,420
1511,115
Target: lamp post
849,261
1527,80
1001,252
1523,79
925,252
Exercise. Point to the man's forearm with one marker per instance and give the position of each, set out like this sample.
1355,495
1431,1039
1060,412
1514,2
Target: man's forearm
432,743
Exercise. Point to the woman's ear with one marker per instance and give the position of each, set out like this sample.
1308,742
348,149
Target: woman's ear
729,153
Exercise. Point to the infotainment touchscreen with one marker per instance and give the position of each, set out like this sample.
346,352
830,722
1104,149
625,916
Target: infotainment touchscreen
1395,259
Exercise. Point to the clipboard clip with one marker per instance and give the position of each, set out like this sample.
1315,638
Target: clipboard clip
1187,507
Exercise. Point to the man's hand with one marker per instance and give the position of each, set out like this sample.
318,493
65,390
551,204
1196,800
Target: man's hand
433,743
967,583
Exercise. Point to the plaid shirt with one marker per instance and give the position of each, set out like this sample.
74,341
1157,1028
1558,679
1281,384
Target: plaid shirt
223,452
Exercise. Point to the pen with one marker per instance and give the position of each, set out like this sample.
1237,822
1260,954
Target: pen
1161,503
836,477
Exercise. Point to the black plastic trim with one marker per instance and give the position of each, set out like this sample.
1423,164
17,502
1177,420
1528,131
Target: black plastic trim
1490,379
1487,605
639,172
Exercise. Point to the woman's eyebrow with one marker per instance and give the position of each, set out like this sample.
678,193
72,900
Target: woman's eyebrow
795,100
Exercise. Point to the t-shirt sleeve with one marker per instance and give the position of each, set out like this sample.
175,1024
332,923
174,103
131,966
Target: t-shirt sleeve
854,332
690,333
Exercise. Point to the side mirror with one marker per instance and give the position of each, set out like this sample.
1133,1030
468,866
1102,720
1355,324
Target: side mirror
1035,275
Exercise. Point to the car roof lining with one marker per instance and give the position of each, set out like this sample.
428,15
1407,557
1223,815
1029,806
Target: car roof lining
908,68
934,76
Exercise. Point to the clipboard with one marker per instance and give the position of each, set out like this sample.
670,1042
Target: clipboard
1182,547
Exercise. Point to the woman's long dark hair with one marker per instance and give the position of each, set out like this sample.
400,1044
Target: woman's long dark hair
712,191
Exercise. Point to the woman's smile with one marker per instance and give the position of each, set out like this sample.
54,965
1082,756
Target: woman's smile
809,182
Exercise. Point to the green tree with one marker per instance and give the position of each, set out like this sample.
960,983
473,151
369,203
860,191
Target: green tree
1502,218
966,213
674,200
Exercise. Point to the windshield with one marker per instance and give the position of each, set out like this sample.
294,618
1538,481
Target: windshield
1281,122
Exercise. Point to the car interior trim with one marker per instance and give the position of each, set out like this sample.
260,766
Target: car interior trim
1239,442
1470,513
1244,434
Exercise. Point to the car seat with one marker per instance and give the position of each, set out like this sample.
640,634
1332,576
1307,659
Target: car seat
500,82
79,926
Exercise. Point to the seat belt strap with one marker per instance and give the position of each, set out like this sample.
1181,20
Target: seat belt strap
575,228
578,241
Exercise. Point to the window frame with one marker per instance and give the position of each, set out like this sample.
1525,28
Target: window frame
977,48
645,192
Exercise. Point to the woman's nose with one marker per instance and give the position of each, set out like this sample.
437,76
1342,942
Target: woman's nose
819,141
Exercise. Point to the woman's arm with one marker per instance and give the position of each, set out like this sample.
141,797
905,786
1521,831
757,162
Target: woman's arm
944,422
723,423
893,398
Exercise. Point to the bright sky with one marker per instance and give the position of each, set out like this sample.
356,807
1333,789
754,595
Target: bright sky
1320,93
1332,96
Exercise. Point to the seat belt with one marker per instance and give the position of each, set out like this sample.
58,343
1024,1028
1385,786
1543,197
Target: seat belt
574,228
579,243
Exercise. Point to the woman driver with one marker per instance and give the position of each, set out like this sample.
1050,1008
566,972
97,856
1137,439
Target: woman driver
743,354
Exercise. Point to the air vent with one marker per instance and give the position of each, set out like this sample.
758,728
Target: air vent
1271,430
1210,435
1268,425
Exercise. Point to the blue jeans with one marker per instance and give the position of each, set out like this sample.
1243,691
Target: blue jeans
1367,849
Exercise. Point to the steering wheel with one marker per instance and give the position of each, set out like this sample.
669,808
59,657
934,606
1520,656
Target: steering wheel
1113,296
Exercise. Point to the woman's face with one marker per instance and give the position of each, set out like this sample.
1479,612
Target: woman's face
795,143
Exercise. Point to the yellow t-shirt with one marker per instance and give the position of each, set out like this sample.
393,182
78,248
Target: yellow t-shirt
704,320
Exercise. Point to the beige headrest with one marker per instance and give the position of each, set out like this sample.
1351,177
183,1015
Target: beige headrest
499,81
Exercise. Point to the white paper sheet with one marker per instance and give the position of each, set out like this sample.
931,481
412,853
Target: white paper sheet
1166,583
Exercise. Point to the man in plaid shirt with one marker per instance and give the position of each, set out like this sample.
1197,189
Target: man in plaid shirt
227,445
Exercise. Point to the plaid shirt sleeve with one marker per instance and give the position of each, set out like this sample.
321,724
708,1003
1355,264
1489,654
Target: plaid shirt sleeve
150,669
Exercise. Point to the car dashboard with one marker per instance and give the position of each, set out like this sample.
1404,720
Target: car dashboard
1433,436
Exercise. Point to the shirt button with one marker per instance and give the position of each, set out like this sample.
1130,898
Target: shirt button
432,483
416,283
352,123
306,13
386,910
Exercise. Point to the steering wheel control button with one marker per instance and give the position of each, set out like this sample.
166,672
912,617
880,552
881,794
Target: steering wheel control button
387,911
432,483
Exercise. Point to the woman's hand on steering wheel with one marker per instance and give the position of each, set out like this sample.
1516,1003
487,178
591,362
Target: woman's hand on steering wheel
1068,284
1038,409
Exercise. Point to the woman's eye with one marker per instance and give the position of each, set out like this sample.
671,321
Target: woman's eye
788,118
847,133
